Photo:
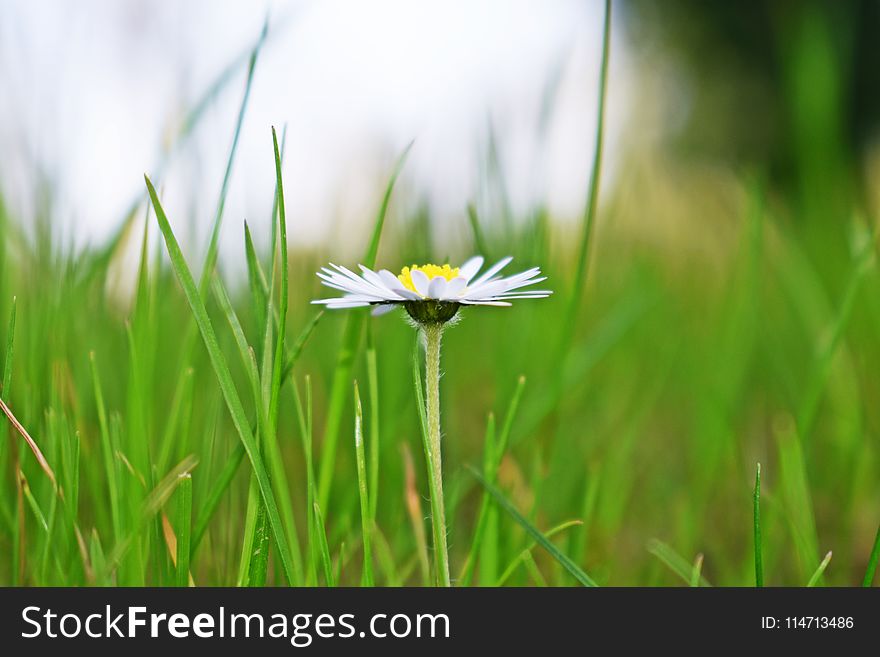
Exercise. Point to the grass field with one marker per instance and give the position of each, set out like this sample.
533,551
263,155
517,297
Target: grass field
206,432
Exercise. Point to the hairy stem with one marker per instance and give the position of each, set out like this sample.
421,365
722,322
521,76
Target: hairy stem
433,334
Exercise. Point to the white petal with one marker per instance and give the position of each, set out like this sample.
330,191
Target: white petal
339,282
437,287
334,304
383,309
394,285
390,280
523,296
500,285
504,297
372,277
351,282
485,303
469,269
420,281
494,269
407,294
359,298
455,287
337,287
357,280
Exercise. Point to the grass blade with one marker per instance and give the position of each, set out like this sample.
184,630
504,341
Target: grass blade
282,303
184,528
324,547
821,569
33,504
10,350
589,218
493,453
797,498
366,523
759,559
224,377
489,451
347,351
212,501
108,452
213,246
373,381
148,510
573,569
675,562
480,243
304,420
44,464
414,509
872,561
696,572
521,557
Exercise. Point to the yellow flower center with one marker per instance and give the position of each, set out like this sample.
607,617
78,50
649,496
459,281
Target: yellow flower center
429,270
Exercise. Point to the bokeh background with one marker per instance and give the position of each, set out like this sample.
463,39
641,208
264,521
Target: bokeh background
729,313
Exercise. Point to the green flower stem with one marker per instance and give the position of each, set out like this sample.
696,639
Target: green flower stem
433,332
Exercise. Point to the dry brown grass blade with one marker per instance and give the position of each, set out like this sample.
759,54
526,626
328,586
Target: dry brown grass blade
171,543
31,443
414,509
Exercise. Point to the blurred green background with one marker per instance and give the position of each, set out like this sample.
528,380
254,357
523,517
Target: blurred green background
729,316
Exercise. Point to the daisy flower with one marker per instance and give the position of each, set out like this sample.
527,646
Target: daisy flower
430,293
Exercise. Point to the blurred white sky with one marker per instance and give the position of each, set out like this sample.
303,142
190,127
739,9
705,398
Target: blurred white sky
91,90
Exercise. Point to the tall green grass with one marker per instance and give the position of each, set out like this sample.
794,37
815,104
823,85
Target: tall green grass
207,431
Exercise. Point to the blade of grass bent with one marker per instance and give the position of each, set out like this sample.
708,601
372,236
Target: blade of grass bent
493,453
674,561
520,558
151,505
489,451
573,569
